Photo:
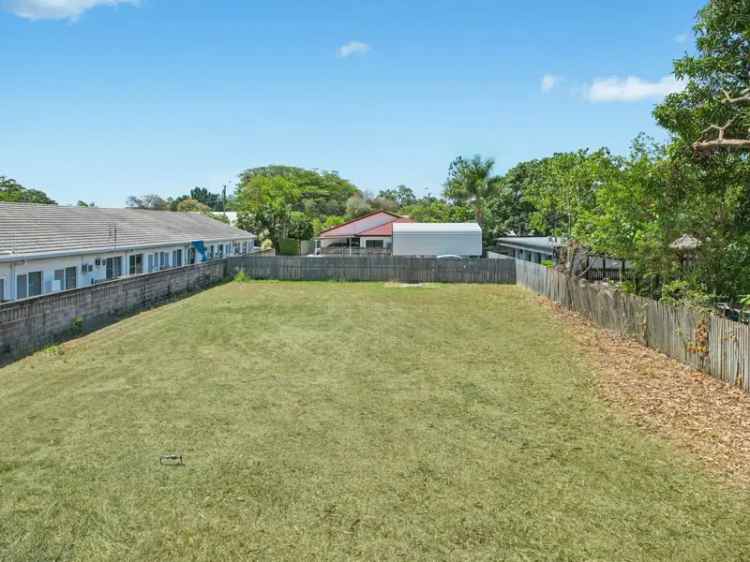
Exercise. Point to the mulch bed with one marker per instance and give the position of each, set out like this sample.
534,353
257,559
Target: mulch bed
696,412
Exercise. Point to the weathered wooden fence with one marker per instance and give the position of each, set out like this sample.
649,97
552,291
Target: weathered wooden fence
707,342
376,268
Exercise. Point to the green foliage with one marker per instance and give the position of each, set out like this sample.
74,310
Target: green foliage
716,74
191,205
281,201
471,182
403,196
13,192
289,247
211,200
150,202
241,277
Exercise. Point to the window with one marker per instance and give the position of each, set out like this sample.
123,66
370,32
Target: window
191,256
22,286
71,278
151,263
35,283
163,260
177,258
136,264
373,243
211,252
220,253
114,267
2,289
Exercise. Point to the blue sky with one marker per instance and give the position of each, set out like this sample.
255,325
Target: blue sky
106,98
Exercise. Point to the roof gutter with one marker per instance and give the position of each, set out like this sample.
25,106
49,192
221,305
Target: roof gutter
10,258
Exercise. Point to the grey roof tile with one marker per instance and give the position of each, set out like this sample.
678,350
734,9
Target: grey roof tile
30,229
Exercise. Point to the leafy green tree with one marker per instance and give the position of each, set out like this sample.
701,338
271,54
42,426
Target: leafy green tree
471,182
84,204
268,206
212,200
713,112
357,205
13,192
191,205
151,202
402,195
510,206
564,186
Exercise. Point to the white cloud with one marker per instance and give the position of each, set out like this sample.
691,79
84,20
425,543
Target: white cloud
549,81
631,88
681,38
353,48
57,9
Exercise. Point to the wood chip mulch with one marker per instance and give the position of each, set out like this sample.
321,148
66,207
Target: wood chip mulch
694,411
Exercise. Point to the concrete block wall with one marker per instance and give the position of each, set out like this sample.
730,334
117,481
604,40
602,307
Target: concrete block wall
30,324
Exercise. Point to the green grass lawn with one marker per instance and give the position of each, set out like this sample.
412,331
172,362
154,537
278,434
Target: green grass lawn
325,421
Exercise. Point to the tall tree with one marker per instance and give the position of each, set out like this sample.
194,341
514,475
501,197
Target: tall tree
203,195
402,195
471,182
151,202
713,112
13,192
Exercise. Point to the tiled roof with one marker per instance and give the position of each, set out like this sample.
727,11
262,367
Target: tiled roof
32,229
361,224
384,229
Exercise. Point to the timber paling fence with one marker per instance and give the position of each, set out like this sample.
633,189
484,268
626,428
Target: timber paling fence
400,269
712,344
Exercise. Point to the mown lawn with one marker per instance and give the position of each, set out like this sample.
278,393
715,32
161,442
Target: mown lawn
325,421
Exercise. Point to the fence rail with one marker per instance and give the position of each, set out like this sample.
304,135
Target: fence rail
376,268
714,345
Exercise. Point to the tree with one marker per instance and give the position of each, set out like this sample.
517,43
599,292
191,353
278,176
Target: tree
191,205
471,182
151,202
267,205
510,206
402,195
84,204
563,186
13,192
212,200
357,205
713,112
432,209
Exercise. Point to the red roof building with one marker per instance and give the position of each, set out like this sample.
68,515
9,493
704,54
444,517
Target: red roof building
368,234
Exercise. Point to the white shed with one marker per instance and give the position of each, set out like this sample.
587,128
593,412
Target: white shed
437,239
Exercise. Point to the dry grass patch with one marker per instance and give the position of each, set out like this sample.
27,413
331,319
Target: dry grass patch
699,413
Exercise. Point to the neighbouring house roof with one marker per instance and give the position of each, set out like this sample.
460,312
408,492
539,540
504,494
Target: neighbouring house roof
437,227
30,230
360,225
385,230
544,244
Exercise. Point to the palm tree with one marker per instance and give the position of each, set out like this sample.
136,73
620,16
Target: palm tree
471,181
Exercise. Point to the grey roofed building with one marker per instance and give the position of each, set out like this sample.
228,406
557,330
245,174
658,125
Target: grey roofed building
47,249
530,248
28,229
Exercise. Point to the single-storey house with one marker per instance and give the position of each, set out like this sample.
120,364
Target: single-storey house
49,248
539,249
386,233
535,249
368,234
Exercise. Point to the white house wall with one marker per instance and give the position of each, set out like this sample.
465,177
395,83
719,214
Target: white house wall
47,266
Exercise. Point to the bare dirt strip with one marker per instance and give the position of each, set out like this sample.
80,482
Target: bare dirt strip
696,412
